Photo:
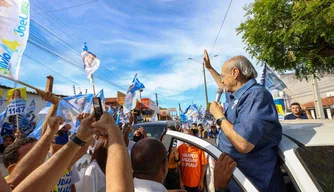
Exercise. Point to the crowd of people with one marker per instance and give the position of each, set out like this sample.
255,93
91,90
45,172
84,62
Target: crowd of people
247,131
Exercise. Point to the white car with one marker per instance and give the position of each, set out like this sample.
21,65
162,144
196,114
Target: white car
306,154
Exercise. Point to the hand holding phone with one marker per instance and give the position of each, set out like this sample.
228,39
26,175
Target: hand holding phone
97,108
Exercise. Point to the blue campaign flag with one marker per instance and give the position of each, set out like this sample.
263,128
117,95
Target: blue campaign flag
136,85
129,101
82,103
37,131
271,81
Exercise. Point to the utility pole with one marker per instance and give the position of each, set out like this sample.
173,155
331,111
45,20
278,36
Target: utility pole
206,91
317,99
74,90
205,88
156,101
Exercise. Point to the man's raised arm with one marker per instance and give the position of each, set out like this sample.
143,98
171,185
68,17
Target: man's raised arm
212,71
118,170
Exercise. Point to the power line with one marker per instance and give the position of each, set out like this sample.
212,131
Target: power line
78,5
79,39
221,26
50,69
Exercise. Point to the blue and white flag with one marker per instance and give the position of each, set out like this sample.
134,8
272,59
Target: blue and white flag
68,112
271,81
129,101
14,32
27,122
121,117
90,61
38,130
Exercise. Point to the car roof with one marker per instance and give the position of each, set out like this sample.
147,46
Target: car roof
153,123
310,132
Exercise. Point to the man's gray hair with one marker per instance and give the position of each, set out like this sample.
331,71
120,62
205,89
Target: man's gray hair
244,65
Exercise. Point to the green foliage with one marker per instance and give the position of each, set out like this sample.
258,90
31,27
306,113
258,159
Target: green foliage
291,35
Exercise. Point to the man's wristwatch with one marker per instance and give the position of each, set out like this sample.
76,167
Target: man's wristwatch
220,120
222,190
77,141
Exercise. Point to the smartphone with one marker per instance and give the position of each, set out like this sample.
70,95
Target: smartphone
97,108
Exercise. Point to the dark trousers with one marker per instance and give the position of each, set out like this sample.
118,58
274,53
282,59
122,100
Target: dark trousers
191,189
172,180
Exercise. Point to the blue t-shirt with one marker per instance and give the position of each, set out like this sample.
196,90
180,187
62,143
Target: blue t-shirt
292,117
252,112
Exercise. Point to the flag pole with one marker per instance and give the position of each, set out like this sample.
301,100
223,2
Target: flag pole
93,84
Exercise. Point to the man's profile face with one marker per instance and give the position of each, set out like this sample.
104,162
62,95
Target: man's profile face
227,77
295,109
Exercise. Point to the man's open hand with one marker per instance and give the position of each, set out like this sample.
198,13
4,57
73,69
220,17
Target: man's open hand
206,60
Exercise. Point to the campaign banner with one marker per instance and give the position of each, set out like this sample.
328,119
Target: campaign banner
17,101
27,121
14,32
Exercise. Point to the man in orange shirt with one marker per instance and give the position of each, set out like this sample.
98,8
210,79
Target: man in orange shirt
192,166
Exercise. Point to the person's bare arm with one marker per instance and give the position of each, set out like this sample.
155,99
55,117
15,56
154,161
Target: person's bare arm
37,154
201,184
82,151
212,71
45,176
241,144
307,112
119,178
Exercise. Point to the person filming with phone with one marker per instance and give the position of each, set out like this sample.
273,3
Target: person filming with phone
250,127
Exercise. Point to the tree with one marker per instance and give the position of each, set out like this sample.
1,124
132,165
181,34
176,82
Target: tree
293,35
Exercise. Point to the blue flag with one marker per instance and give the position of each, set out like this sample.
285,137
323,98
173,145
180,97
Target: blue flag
37,131
136,85
129,102
271,81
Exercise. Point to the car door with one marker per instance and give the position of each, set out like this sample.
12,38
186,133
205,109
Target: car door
213,154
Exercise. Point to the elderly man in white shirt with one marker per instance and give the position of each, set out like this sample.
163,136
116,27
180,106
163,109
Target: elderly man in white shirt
150,165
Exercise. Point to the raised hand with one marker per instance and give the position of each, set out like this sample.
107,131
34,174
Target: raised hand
106,124
85,131
53,124
206,60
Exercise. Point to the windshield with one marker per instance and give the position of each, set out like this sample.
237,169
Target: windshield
152,130
318,161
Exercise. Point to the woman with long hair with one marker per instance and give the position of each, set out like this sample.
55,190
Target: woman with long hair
16,94
94,179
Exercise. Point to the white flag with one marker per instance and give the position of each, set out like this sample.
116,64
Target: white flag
14,32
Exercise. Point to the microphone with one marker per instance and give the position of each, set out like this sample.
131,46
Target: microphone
219,94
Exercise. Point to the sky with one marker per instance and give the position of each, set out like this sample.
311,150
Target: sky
151,38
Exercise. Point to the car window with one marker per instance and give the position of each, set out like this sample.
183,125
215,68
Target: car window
318,161
152,130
